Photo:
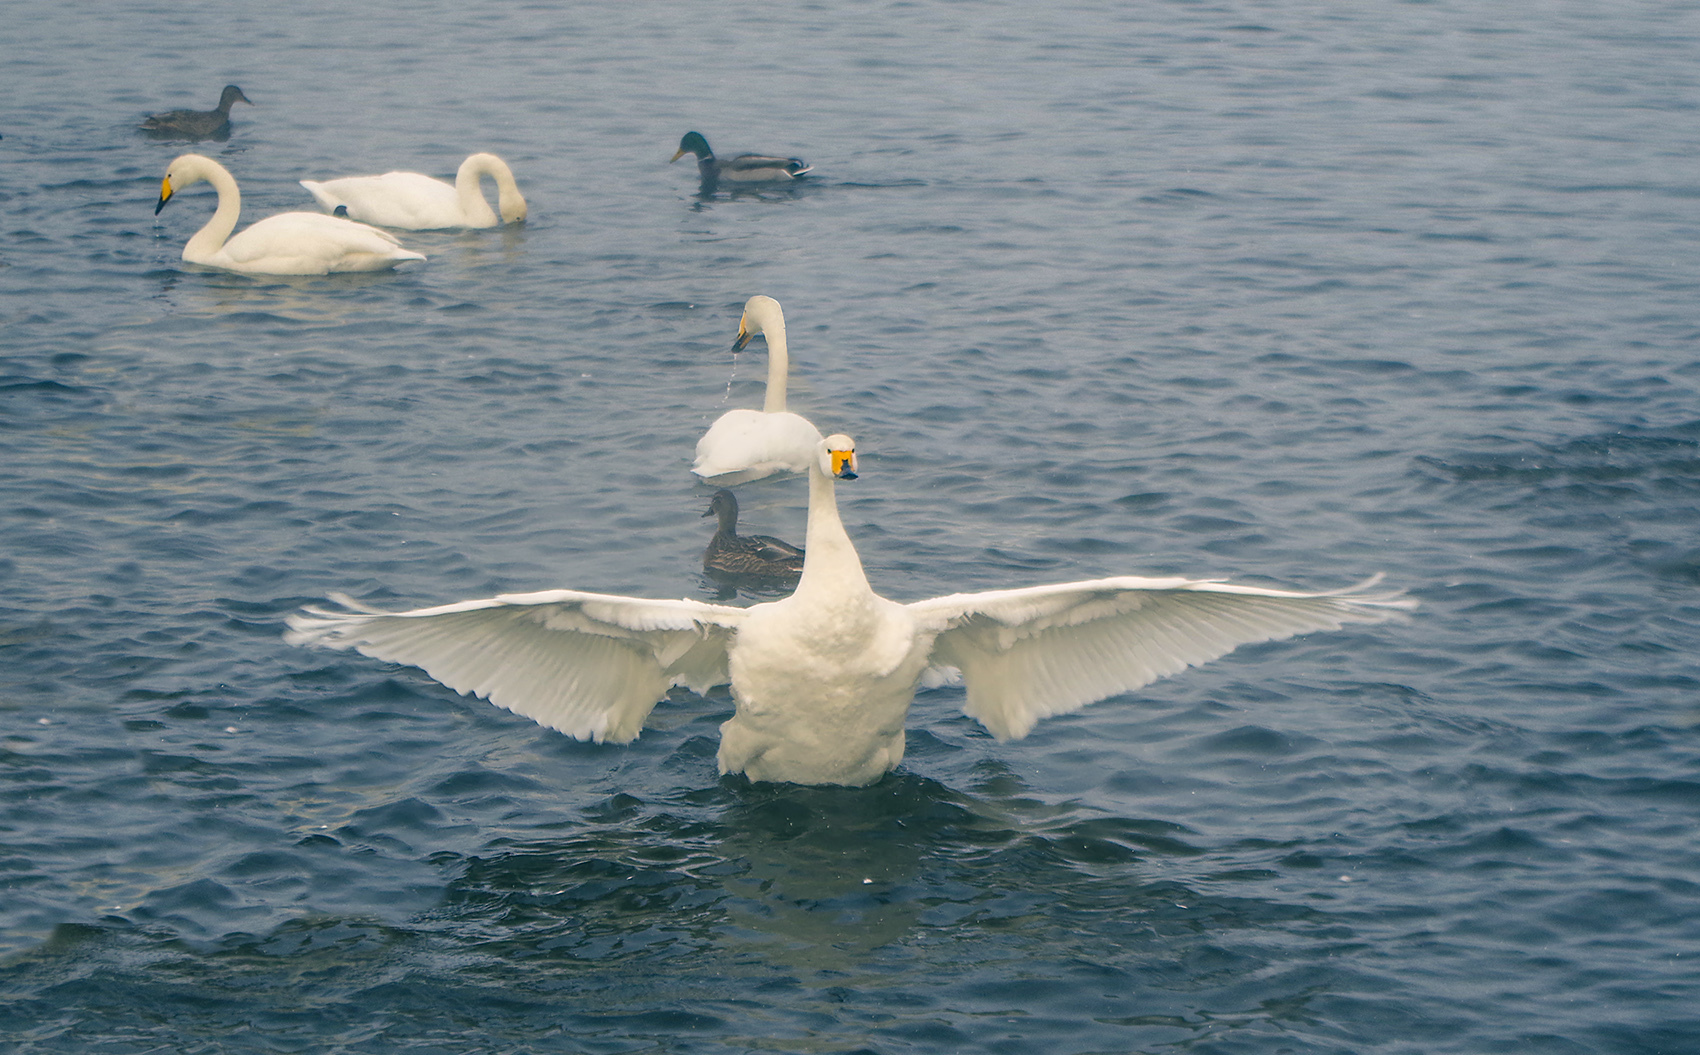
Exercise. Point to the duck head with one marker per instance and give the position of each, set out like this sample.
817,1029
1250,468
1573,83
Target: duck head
692,143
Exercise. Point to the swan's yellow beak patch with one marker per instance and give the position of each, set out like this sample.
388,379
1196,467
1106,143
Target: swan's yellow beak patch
744,334
164,194
844,464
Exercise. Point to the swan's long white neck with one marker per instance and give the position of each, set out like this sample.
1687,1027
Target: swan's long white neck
830,562
778,371
471,196
212,236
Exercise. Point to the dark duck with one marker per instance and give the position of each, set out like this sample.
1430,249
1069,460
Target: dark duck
751,560
197,124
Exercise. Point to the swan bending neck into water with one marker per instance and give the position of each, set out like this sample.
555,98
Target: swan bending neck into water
418,202
744,445
822,680
290,243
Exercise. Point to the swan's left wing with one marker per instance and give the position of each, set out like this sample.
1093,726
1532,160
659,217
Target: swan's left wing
590,665
1031,653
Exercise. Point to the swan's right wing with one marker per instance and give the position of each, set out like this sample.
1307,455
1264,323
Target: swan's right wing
1030,653
589,665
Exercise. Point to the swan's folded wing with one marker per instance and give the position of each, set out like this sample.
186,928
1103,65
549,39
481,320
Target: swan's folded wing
749,444
590,665
1031,653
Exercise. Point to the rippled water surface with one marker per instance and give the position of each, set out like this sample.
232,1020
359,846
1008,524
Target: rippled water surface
1282,293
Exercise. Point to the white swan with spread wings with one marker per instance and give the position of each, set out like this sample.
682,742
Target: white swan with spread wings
823,679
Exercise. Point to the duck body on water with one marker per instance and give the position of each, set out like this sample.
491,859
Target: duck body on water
197,124
822,679
745,170
761,561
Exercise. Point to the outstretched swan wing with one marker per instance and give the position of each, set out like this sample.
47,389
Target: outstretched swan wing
1031,653
590,665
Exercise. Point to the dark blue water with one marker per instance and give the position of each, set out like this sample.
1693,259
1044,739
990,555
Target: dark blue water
1247,290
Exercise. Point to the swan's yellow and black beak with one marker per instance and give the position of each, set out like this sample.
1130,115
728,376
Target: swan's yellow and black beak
165,193
843,464
744,334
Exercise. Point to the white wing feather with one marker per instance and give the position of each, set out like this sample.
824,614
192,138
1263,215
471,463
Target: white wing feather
1032,653
589,665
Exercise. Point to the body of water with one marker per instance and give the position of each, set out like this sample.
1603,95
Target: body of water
1286,294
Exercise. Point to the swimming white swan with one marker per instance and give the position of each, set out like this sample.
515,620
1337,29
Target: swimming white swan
823,679
290,243
421,203
745,445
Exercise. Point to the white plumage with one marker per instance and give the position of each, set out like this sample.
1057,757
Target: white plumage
419,203
744,445
290,243
823,679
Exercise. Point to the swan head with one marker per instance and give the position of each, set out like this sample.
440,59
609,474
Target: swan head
838,456
186,170
759,313
509,201
232,94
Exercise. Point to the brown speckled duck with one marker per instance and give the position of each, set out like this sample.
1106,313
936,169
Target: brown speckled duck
755,559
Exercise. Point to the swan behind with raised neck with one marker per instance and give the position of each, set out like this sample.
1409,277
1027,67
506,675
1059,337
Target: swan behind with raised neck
290,243
745,445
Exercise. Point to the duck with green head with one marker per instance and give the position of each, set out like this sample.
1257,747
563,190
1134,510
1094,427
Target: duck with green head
743,170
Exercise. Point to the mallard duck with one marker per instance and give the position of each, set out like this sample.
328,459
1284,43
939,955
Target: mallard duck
290,243
197,124
744,445
421,203
741,170
753,559
822,679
